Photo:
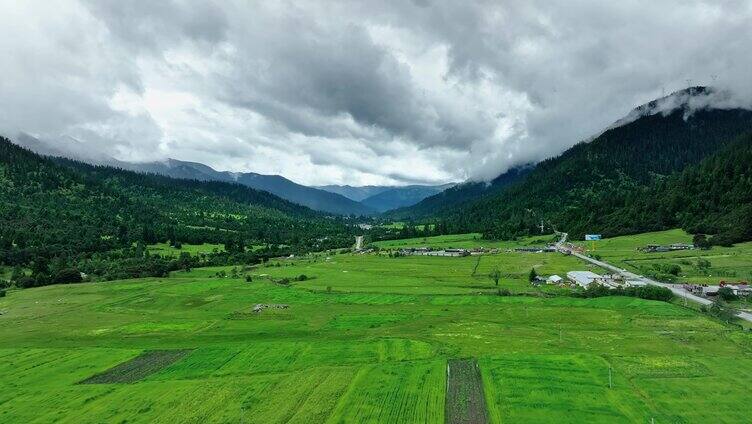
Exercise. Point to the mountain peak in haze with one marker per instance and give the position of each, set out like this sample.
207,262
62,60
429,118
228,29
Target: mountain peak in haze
689,100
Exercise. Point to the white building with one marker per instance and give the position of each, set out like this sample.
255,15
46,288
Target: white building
554,279
584,278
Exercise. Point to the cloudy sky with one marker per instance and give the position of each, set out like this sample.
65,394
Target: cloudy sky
355,92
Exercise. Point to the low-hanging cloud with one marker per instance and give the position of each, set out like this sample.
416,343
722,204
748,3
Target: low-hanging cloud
356,92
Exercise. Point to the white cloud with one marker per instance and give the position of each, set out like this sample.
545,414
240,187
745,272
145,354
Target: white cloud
355,92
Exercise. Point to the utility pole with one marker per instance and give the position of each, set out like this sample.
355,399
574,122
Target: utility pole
542,227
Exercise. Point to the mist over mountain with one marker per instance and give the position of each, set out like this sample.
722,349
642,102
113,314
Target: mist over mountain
590,187
307,196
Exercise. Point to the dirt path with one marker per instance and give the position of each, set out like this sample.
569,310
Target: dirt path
465,401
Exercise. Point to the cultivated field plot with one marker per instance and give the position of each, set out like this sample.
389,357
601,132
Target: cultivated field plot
373,349
465,402
137,368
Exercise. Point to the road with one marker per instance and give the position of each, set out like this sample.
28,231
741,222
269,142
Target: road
678,291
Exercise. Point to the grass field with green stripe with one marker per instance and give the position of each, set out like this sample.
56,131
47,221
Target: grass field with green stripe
373,348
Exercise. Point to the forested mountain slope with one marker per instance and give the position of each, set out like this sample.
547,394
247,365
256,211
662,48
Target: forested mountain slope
63,208
577,190
453,197
313,198
712,197
397,197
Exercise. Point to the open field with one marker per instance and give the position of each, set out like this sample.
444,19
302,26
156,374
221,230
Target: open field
463,241
418,274
372,349
725,263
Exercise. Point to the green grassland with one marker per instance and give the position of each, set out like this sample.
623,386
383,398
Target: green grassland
463,241
417,274
726,263
373,349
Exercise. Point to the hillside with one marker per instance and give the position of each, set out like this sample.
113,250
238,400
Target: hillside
457,195
712,197
398,197
313,198
356,193
575,191
65,210
321,200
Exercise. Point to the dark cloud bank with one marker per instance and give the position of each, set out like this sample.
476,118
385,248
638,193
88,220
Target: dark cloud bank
355,92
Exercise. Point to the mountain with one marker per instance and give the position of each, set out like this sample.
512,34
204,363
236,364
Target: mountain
384,198
712,197
307,196
63,209
398,197
356,193
313,198
578,190
457,195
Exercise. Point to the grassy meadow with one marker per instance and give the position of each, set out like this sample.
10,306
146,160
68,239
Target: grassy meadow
724,263
364,339
464,241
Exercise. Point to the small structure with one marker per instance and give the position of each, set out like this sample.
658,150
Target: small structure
426,251
554,279
656,248
534,249
635,283
261,306
584,278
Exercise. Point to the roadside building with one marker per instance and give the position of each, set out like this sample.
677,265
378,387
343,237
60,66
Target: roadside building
554,279
584,278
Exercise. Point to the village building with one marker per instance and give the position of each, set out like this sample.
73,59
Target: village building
584,278
554,279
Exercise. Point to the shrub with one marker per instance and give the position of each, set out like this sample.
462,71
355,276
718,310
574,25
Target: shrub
727,294
26,282
248,279
533,275
302,277
2,292
67,276
648,292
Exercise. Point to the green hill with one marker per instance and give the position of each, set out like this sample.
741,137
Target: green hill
591,184
64,211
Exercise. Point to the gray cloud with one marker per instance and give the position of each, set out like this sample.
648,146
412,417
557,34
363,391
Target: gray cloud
356,92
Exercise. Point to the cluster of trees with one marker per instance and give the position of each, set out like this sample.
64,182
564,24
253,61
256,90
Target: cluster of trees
655,173
649,292
60,218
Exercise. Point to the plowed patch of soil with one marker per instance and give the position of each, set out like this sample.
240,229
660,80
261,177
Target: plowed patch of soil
139,367
465,401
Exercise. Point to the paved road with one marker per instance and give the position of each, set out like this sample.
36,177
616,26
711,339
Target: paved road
678,291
